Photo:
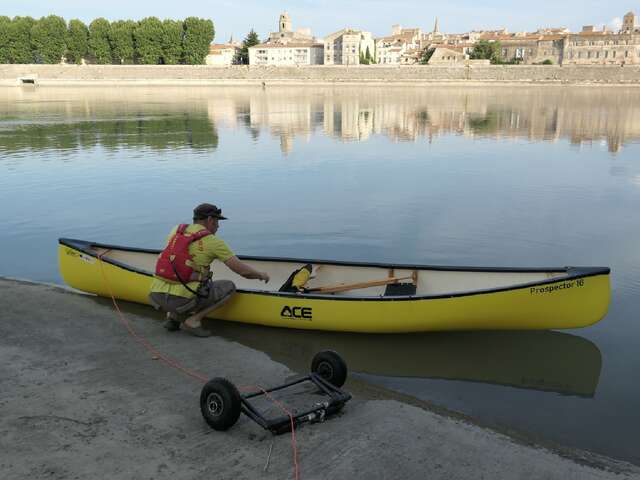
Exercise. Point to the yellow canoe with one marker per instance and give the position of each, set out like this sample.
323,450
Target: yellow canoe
375,298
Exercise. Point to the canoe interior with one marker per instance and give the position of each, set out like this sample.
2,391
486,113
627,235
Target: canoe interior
429,281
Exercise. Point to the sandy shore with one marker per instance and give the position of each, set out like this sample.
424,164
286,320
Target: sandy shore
82,399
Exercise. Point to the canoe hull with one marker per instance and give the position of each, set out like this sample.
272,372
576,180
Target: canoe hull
568,303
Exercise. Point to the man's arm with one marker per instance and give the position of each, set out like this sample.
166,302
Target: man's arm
244,270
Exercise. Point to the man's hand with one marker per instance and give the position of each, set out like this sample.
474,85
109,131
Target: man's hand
246,271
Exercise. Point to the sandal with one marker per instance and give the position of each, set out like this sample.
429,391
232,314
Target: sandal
196,331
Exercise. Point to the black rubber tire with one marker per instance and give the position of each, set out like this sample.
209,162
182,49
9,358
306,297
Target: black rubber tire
220,403
330,366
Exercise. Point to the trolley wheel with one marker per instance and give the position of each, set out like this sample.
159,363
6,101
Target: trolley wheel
220,403
330,366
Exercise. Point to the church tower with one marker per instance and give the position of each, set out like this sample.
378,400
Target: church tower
629,23
284,24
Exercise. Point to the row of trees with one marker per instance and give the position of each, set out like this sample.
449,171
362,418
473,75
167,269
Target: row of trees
148,41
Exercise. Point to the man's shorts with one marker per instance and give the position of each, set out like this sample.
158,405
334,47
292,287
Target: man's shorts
214,293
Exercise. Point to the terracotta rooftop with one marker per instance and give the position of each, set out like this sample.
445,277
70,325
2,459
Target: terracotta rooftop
221,46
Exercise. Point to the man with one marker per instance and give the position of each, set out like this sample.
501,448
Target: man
182,284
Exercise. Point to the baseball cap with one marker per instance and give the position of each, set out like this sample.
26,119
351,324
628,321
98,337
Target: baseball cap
205,210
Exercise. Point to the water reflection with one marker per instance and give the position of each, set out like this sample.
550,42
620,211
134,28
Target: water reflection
68,117
546,113
168,132
547,360
533,360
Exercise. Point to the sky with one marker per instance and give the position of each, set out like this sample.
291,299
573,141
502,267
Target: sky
232,17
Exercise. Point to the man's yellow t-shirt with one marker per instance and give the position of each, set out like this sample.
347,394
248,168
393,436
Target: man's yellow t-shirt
203,252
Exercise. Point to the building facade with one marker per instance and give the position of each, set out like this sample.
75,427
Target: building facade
447,55
287,47
289,54
591,47
401,47
222,54
532,49
346,46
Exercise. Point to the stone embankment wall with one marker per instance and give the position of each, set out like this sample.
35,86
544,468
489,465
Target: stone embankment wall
245,75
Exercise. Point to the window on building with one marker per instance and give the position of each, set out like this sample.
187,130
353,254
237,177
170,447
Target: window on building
606,54
614,54
589,54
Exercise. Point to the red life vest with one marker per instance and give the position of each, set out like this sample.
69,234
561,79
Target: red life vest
175,263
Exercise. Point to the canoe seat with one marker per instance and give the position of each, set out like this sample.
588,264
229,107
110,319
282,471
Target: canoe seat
397,289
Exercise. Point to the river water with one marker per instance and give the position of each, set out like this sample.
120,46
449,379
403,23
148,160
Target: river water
482,176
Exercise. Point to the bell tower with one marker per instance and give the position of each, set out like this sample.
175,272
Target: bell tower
284,24
629,23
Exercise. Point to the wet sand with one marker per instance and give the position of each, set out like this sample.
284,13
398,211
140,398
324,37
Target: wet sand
82,399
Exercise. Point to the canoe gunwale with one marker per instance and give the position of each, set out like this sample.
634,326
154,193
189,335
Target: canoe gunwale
573,273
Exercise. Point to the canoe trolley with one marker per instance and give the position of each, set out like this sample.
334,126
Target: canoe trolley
221,403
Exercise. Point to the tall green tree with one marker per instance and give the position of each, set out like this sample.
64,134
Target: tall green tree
426,55
198,34
48,39
485,50
5,27
368,57
172,31
121,40
19,43
148,41
242,57
99,46
77,41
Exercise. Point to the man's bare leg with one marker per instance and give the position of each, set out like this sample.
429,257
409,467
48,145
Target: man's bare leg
220,292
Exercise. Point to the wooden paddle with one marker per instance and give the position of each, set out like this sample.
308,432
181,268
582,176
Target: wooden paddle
343,287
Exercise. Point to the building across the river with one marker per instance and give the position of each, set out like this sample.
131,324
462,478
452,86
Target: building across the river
348,46
406,46
603,47
222,54
287,47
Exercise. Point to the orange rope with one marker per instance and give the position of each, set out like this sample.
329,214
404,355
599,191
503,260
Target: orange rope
198,376
293,427
141,340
